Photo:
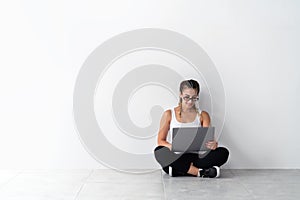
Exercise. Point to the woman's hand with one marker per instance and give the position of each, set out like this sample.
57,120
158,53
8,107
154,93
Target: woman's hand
212,144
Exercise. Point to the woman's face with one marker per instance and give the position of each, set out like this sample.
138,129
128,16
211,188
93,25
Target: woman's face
186,96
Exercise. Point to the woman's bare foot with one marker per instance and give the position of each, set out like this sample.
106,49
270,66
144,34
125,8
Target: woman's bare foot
193,170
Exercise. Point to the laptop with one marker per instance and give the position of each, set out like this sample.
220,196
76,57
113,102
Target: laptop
191,139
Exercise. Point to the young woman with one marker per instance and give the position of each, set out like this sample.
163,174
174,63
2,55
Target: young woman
186,114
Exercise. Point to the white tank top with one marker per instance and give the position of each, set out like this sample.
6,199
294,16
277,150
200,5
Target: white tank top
174,123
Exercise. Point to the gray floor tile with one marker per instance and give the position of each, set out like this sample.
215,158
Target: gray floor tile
111,184
112,176
225,187
205,189
44,185
267,175
118,191
274,191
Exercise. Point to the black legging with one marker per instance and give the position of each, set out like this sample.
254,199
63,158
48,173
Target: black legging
182,162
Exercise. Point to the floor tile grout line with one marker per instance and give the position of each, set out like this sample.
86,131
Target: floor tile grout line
163,184
243,185
122,182
10,179
82,185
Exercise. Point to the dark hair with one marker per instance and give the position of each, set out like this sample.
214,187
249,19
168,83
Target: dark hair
188,84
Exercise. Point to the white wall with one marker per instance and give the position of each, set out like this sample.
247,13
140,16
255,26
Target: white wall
255,46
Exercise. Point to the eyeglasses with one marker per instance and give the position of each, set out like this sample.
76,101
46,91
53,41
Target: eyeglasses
190,98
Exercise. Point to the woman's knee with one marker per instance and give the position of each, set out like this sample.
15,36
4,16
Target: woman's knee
164,156
161,152
223,153
158,148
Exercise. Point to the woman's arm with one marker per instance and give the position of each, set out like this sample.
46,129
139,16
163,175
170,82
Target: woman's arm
205,119
205,122
163,129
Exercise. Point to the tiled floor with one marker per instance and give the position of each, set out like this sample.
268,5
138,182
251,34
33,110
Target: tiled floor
110,184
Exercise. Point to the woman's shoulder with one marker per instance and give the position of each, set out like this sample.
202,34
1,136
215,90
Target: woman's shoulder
204,119
167,114
203,112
